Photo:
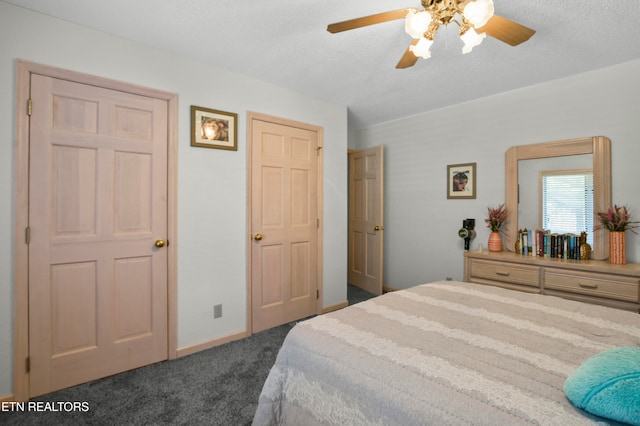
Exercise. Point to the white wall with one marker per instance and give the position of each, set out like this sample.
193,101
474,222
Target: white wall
421,244
212,216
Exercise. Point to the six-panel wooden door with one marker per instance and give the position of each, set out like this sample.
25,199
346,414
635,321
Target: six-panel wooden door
284,223
366,219
98,224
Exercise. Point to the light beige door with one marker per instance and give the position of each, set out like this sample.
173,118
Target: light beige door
284,223
98,221
366,219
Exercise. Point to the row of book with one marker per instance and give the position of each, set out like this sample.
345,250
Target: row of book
543,243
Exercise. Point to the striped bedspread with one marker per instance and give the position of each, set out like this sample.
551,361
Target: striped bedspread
441,353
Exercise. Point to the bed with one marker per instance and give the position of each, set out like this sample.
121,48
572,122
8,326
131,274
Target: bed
441,353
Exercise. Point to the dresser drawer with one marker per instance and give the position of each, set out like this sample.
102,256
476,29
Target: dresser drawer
505,272
594,284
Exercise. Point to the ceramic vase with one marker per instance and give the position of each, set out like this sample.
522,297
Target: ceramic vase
617,248
495,241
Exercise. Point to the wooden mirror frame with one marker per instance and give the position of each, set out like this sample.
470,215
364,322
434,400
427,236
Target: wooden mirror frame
599,146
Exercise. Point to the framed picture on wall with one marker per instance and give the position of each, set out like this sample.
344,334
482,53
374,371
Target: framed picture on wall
461,180
211,128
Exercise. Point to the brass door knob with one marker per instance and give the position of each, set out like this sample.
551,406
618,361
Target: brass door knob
257,237
378,228
159,243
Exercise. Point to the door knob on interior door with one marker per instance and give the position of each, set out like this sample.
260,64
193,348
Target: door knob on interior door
257,237
159,243
378,228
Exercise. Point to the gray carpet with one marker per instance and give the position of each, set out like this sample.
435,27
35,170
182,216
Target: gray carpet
219,386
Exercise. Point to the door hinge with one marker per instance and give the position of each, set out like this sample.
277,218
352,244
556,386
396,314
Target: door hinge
27,235
318,223
318,148
317,294
27,364
29,107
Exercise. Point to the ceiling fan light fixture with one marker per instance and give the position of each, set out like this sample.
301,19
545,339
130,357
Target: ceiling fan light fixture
416,23
422,25
478,12
421,48
471,39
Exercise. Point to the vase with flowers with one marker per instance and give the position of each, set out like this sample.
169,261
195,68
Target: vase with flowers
617,220
496,218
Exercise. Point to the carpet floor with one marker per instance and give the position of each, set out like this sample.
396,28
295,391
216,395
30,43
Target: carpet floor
218,386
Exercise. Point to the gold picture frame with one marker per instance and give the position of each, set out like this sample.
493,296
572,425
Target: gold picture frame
461,181
212,128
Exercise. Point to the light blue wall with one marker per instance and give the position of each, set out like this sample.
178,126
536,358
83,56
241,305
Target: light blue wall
212,184
421,244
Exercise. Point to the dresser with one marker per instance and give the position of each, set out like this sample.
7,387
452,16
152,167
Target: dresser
591,281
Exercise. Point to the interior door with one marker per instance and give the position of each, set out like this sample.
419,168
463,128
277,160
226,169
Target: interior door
98,221
284,223
366,219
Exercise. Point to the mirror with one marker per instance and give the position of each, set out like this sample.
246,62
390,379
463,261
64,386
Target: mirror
598,147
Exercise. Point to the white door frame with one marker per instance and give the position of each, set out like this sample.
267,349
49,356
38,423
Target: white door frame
320,132
24,69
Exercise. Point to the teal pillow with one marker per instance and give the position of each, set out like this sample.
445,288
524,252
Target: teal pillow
608,385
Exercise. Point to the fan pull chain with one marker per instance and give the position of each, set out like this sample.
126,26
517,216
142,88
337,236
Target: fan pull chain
446,37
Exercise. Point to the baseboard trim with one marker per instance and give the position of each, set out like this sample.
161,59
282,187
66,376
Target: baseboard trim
188,350
7,398
335,307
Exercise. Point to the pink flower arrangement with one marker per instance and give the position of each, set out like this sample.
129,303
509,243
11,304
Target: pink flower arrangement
497,216
617,219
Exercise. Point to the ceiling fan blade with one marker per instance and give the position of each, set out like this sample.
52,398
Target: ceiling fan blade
408,59
507,31
367,20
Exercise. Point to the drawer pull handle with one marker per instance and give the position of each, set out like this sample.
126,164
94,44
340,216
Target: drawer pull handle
502,274
588,285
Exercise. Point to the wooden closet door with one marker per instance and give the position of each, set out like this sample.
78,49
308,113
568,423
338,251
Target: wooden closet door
97,206
284,223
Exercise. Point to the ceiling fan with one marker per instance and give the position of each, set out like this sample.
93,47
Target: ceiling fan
476,21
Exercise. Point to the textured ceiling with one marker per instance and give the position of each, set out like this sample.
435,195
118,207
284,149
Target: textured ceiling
285,42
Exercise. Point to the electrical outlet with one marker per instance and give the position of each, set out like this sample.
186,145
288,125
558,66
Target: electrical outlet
217,311
448,279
